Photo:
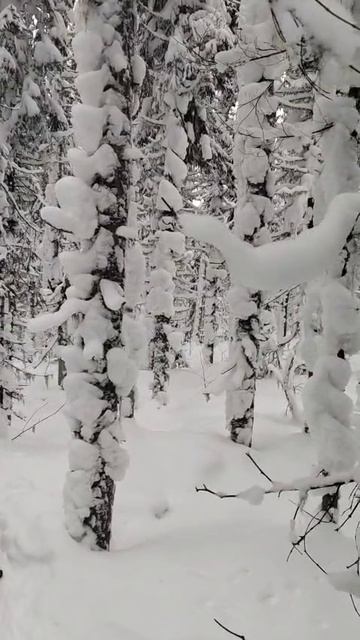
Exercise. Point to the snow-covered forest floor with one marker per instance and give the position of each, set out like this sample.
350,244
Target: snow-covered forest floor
179,558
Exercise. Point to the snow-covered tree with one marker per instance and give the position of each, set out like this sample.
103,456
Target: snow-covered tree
53,68
254,133
171,100
19,199
336,119
178,122
96,205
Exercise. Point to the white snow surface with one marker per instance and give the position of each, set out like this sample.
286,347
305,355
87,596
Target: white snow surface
284,263
179,557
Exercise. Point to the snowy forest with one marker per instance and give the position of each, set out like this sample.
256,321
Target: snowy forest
179,319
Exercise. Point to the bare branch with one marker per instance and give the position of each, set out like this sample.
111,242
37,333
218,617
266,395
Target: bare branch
32,426
258,467
237,635
218,494
336,15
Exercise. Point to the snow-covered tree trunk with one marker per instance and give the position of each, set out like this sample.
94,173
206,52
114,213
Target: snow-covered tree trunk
176,94
212,294
199,300
252,145
100,56
52,35
96,206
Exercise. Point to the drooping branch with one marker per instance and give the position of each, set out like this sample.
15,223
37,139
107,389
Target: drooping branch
284,263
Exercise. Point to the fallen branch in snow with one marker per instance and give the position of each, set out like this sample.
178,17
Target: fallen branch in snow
32,426
302,485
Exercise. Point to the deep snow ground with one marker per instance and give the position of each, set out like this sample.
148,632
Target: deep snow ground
178,558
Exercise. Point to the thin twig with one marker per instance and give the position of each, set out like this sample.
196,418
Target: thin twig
237,635
34,413
336,15
259,468
354,605
315,562
218,494
39,422
35,366
350,514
